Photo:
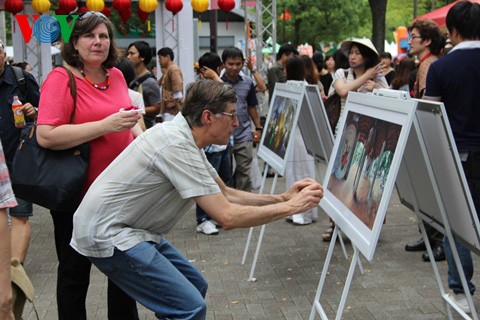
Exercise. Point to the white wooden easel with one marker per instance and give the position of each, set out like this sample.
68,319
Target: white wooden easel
446,229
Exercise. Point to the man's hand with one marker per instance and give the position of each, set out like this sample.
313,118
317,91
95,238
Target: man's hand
298,186
29,110
307,198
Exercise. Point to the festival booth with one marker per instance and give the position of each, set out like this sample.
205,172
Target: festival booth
440,14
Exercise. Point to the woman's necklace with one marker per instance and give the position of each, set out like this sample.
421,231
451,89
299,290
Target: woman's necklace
96,85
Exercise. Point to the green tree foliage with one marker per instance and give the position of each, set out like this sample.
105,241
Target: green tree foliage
316,21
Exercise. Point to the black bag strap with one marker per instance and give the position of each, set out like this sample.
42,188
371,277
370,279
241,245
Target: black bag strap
21,81
140,80
73,91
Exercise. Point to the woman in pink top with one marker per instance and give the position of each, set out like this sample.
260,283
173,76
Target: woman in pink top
102,91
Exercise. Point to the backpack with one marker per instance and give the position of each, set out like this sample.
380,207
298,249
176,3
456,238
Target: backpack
21,82
136,83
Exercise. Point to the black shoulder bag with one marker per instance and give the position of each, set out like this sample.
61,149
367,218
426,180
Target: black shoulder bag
333,106
50,178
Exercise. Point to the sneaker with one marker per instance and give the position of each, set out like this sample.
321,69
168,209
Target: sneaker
208,228
217,225
460,300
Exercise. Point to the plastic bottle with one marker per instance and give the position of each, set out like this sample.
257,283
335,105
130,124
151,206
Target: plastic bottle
18,113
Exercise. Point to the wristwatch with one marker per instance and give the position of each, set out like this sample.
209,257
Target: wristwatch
254,70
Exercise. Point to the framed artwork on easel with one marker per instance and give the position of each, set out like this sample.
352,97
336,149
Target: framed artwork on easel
363,166
280,125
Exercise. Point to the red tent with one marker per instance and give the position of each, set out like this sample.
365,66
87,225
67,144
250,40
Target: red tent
439,15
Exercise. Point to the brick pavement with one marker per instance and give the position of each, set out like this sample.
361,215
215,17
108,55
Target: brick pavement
396,284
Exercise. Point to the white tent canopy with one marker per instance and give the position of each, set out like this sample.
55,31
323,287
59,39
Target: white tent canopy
53,50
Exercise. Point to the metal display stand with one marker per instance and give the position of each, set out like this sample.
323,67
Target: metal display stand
423,187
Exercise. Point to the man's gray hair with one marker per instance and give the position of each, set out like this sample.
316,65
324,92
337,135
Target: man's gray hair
203,95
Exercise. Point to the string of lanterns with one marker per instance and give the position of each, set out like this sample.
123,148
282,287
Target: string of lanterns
145,7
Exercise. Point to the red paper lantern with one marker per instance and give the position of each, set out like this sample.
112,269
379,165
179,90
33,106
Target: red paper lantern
121,5
67,6
14,6
142,15
226,5
174,6
107,11
60,11
125,15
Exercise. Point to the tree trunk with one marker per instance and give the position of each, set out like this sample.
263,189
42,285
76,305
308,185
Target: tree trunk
378,9
296,27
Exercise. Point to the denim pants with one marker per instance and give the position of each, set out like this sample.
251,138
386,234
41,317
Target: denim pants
73,278
472,172
158,277
465,256
222,163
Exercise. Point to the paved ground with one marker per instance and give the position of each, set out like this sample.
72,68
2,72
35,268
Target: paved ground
396,284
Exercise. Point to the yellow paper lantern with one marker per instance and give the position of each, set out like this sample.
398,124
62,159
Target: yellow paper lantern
148,5
200,5
41,6
95,5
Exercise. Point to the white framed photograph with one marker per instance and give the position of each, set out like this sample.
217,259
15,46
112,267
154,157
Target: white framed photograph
280,125
364,164
314,125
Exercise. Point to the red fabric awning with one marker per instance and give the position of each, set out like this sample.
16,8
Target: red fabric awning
440,14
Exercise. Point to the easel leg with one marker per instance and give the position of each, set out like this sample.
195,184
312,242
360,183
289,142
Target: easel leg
260,238
348,282
250,231
458,264
317,307
342,244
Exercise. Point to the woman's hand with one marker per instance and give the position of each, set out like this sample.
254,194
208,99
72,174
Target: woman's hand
122,120
373,72
210,74
370,85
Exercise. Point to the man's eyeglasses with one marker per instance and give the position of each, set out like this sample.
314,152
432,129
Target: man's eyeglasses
411,38
232,116
87,14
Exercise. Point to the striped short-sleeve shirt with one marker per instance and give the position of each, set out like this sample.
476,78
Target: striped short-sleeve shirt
7,198
144,192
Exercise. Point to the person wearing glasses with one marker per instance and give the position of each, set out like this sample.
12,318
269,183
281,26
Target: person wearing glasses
102,93
120,222
426,42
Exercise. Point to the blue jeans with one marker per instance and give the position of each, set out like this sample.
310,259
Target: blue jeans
158,277
73,278
222,163
472,172
465,256
23,209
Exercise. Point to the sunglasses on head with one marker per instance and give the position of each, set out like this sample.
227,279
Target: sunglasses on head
87,14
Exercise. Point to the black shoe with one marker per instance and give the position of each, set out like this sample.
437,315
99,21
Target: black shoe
416,246
438,254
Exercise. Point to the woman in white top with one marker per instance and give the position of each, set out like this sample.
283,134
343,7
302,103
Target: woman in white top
364,75
299,162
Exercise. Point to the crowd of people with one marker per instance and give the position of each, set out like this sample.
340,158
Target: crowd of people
202,153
